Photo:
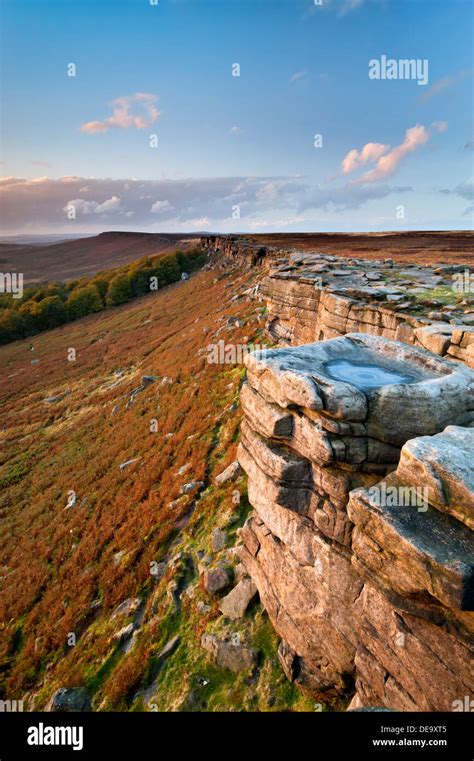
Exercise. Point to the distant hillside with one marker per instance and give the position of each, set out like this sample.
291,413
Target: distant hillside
42,306
86,256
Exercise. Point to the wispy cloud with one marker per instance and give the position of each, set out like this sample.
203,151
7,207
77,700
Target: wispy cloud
341,7
138,111
298,75
440,126
386,159
235,130
445,83
346,6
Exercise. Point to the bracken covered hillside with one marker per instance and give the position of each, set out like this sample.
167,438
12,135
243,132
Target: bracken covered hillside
108,499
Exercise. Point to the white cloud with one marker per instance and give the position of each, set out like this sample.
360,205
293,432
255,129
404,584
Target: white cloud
93,207
355,158
159,207
137,110
386,159
182,204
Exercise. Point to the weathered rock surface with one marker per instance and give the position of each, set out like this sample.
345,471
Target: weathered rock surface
363,589
444,464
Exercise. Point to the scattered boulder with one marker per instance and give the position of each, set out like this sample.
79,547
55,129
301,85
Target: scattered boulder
219,538
127,607
147,380
191,487
169,648
235,657
203,607
215,579
234,322
73,700
118,557
229,474
229,655
57,398
124,633
210,643
157,570
237,601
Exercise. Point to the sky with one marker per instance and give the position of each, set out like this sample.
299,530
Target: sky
236,115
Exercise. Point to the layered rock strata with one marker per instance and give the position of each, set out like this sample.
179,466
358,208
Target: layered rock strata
315,297
371,594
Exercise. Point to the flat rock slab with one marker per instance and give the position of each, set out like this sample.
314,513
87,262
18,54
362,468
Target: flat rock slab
412,550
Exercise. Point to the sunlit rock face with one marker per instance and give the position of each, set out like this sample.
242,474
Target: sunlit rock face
365,574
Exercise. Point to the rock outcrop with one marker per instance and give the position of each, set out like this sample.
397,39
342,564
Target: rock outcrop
360,543
316,297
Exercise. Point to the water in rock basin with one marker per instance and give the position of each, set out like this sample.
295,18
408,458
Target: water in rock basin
364,375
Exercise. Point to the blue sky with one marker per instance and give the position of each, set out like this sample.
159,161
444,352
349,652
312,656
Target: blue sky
235,153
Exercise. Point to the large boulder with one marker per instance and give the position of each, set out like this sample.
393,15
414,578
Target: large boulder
237,601
73,700
215,579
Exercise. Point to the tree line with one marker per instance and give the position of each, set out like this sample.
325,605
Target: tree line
48,305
